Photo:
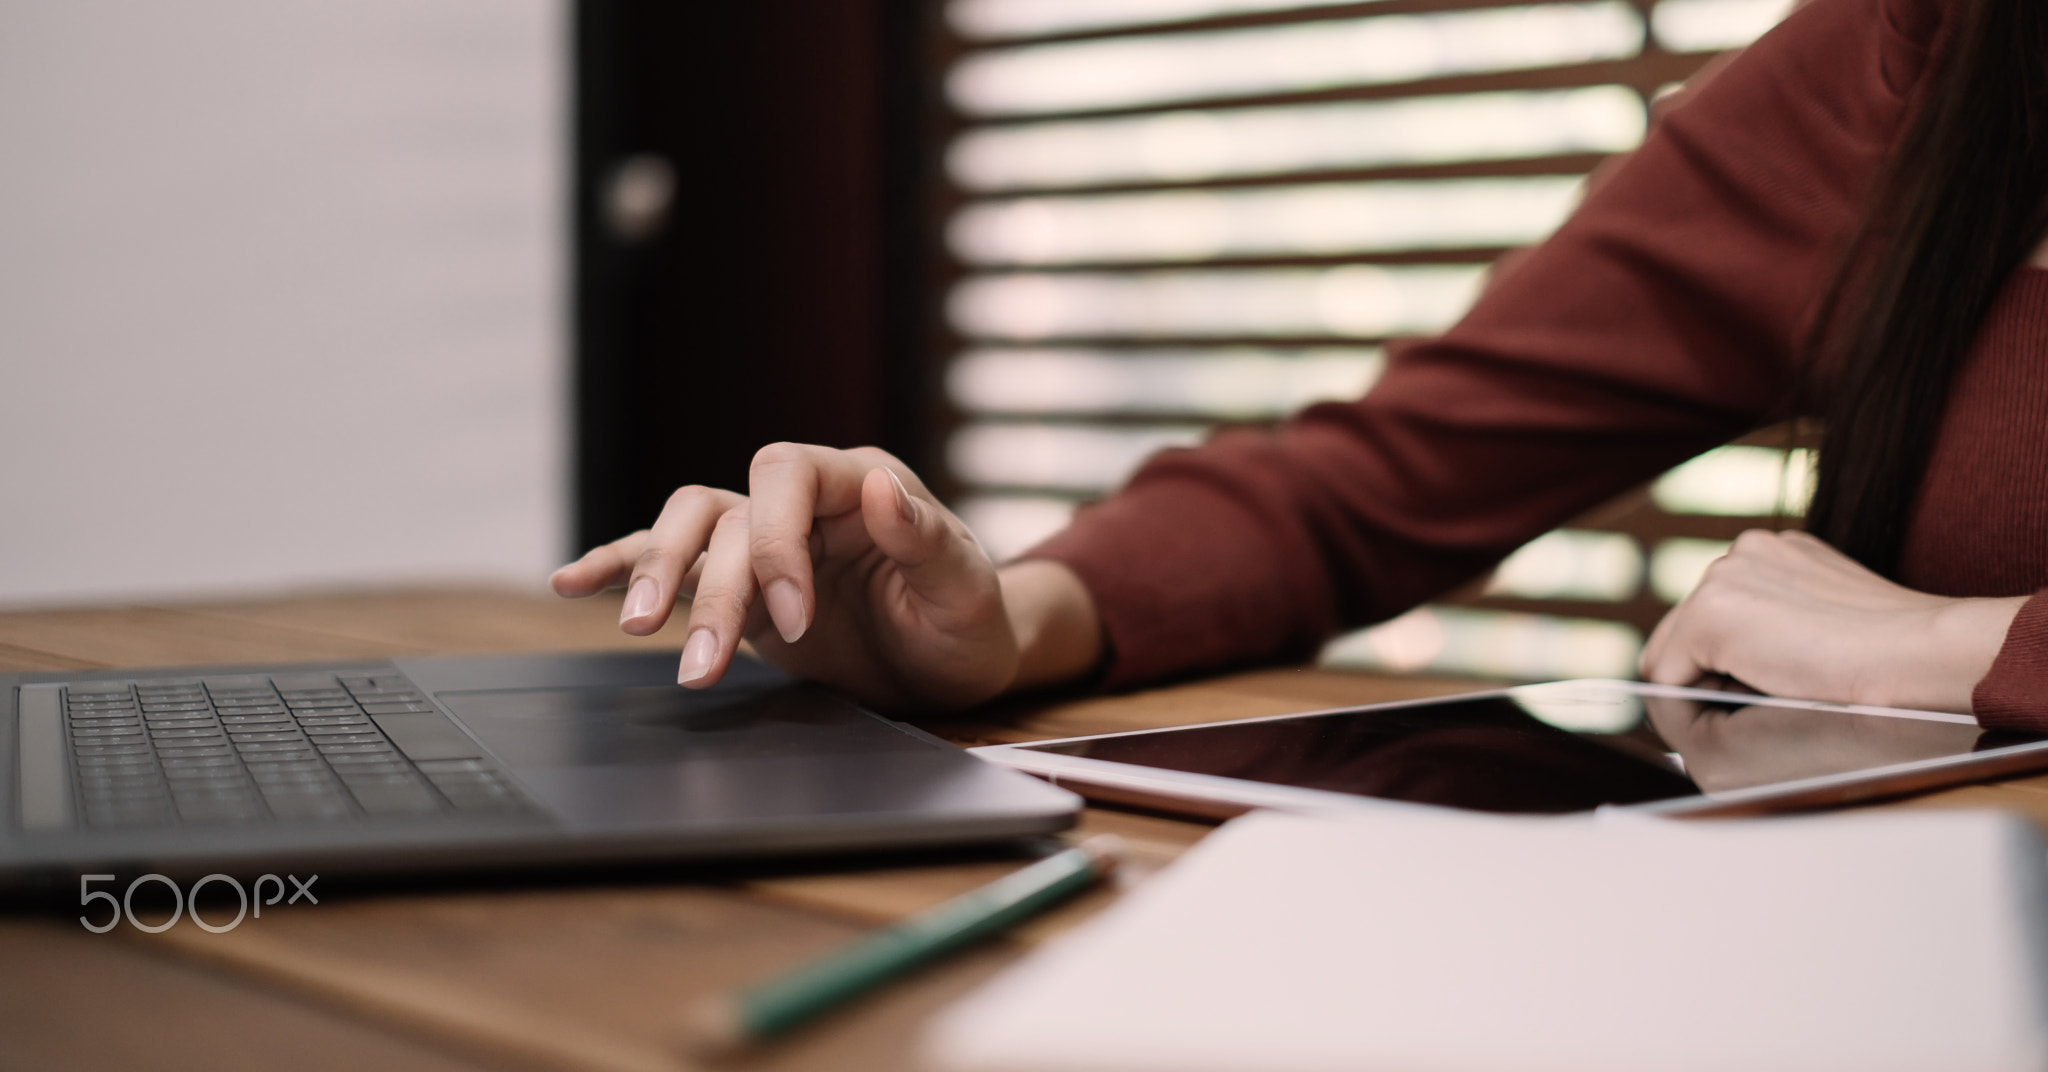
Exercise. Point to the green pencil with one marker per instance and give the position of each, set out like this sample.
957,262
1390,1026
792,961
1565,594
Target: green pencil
773,1008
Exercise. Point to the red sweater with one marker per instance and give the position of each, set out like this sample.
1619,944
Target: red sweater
1664,318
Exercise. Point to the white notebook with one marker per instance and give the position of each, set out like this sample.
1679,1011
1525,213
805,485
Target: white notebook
1448,942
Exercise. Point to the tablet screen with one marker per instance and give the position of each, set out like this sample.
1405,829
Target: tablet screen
1562,747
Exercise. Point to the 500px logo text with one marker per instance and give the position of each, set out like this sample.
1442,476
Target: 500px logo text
123,907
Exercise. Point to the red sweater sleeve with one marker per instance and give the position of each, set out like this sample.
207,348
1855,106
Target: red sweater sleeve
2014,694
1662,319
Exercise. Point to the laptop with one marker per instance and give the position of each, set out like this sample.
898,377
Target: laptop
476,762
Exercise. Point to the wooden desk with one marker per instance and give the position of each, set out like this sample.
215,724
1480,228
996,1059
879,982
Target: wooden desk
563,976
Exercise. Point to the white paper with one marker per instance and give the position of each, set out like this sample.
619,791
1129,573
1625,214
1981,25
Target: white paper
1458,943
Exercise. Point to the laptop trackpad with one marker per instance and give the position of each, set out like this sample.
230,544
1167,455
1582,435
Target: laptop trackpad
577,727
663,753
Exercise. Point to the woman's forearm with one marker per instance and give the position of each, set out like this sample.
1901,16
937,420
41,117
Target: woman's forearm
1965,638
1059,632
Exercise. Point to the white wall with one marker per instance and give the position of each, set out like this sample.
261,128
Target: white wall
282,292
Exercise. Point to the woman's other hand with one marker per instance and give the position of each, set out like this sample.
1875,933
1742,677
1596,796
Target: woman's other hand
841,567
1787,614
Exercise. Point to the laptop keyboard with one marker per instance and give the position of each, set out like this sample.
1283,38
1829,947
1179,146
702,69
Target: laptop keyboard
293,747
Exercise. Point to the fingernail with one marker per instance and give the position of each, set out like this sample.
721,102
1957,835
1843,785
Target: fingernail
786,607
903,506
640,600
698,655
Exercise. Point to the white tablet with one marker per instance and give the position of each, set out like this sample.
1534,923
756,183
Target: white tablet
1554,748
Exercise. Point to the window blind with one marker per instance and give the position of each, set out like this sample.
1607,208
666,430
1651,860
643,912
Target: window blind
1159,215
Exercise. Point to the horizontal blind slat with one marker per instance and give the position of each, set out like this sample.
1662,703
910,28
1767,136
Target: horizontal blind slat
1142,73
1469,256
1646,73
1563,164
1308,13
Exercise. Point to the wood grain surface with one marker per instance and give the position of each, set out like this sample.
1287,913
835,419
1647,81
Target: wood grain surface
548,972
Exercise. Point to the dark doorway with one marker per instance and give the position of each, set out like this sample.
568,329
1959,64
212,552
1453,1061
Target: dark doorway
748,241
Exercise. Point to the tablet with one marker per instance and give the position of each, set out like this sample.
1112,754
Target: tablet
1560,747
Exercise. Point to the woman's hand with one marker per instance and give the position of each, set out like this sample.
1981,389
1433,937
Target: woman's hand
1789,615
841,568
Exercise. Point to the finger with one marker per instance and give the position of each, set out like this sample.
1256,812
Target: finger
1668,658
718,614
936,560
1653,649
1673,663
687,589
791,486
599,568
671,548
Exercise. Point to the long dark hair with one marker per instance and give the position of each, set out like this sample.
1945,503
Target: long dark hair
1961,204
